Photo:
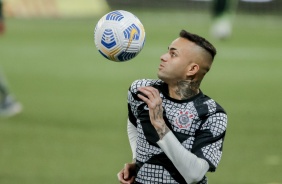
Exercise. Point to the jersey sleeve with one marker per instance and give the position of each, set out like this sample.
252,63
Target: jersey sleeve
133,100
132,137
188,164
209,139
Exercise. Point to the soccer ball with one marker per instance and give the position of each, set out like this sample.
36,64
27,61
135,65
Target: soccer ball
119,36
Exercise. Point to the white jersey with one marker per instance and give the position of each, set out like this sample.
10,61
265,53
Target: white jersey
199,124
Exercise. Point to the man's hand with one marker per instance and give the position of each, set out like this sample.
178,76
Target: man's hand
127,174
154,102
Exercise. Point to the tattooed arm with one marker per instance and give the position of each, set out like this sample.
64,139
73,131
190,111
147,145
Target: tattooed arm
188,164
184,89
154,103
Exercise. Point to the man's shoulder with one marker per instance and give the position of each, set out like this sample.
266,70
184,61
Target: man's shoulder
143,82
206,105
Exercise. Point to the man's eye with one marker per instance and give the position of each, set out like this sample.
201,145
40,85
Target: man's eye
173,54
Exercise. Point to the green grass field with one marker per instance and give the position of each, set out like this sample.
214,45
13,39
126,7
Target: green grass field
73,127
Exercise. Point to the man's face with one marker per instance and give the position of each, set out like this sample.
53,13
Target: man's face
175,63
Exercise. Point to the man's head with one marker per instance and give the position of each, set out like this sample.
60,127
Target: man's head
200,41
189,57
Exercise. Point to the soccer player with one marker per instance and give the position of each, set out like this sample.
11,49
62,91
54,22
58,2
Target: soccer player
8,105
175,131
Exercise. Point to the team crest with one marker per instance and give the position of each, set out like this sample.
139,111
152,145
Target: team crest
184,120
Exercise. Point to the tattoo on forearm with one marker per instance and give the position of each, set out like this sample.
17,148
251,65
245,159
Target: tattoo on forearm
158,112
162,131
186,89
160,126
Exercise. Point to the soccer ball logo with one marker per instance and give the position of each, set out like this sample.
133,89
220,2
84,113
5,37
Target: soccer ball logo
119,36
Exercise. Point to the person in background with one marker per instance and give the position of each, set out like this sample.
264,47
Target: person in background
2,25
222,15
8,105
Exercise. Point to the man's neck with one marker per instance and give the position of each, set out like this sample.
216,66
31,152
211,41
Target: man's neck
184,89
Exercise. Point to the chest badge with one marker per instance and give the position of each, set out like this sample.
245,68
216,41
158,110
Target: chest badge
184,120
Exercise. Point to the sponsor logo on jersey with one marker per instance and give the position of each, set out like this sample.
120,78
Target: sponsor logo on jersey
184,120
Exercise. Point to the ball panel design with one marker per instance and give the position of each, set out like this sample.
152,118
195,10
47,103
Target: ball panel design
119,36
103,54
132,32
125,56
115,15
108,39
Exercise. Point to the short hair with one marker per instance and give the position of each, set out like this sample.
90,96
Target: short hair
200,41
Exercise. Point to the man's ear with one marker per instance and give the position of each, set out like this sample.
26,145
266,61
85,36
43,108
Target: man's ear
192,69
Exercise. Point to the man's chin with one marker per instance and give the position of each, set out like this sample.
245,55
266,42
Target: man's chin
161,77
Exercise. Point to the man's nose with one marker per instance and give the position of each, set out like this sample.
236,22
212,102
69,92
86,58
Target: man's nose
164,57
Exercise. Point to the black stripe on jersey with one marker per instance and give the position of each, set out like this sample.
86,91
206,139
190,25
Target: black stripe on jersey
162,160
202,139
131,117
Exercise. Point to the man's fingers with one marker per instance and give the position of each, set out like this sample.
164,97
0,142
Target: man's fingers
125,176
126,173
149,91
145,99
146,93
152,98
121,178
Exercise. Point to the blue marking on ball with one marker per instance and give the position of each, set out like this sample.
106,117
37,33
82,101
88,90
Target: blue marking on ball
127,32
108,39
115,15
124,56
103,54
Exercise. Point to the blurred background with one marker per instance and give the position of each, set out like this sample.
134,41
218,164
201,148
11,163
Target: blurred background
72,127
